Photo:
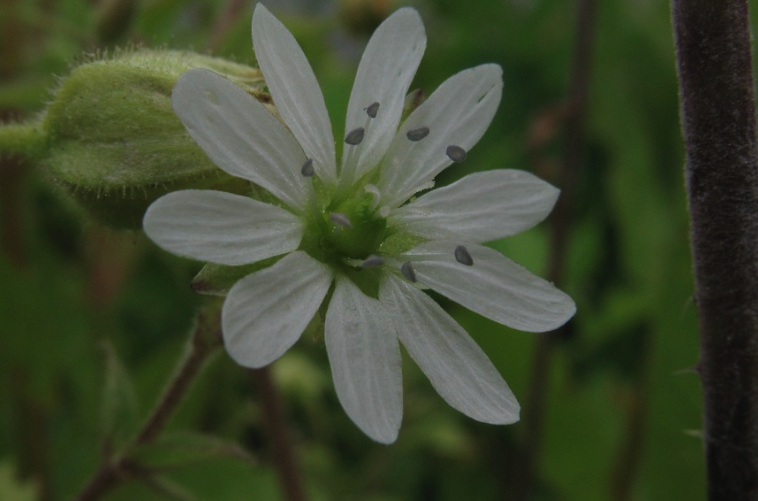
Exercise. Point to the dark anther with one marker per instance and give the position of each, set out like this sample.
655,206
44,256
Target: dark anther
355,136
462,256
372,262
372,110
307,169
408,272
417,134
456,153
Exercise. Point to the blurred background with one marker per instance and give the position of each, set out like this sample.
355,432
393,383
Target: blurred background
610,404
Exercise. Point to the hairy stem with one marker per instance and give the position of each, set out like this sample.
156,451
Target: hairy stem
718,121
282,449
21,139
114,470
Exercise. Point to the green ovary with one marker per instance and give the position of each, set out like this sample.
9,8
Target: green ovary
329,242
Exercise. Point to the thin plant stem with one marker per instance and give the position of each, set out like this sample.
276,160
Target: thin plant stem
21,139
560,228
231,12
717,101
281,446
206,337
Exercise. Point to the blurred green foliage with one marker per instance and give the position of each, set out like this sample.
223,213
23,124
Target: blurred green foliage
83,308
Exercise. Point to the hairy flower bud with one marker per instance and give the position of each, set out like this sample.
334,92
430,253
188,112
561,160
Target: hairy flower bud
111,139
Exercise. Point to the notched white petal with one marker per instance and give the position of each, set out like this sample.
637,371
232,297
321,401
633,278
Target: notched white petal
265,313
457,115
479,208
494,286
220,227
384,75
456,366
240,135
365,360
296,92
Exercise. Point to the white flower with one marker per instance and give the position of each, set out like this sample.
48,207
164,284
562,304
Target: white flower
344,227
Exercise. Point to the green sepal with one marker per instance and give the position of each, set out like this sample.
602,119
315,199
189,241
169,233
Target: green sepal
111,139
217,279
399,242
178,449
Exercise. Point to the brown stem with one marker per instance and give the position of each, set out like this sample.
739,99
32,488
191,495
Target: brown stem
232,10
175,392
282,448
114,470
560,228
718,120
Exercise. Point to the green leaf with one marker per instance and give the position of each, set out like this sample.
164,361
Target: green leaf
217,279
178,449
12,489
120,409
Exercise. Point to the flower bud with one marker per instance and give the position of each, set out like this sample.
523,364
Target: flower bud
111,139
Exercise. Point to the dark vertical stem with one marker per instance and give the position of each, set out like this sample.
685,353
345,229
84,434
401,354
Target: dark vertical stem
560,227
282,449
718,121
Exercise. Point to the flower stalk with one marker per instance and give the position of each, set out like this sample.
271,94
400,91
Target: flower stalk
281,446
22,139
718,121
206,338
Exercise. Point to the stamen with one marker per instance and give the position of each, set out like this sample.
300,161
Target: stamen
355,136
456,153
417,134
372,110
462,256
408,272
340,220
372,262
307,169
376,196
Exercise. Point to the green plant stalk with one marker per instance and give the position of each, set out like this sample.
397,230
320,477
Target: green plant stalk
22,139
718,122
206,338
281,446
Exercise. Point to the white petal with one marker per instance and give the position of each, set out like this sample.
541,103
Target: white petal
384,75
457,113
240,135
220,227
365,360
458,369
494,286
266,312
296,92
480,207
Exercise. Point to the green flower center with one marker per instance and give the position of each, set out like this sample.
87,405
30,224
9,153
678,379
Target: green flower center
351,230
